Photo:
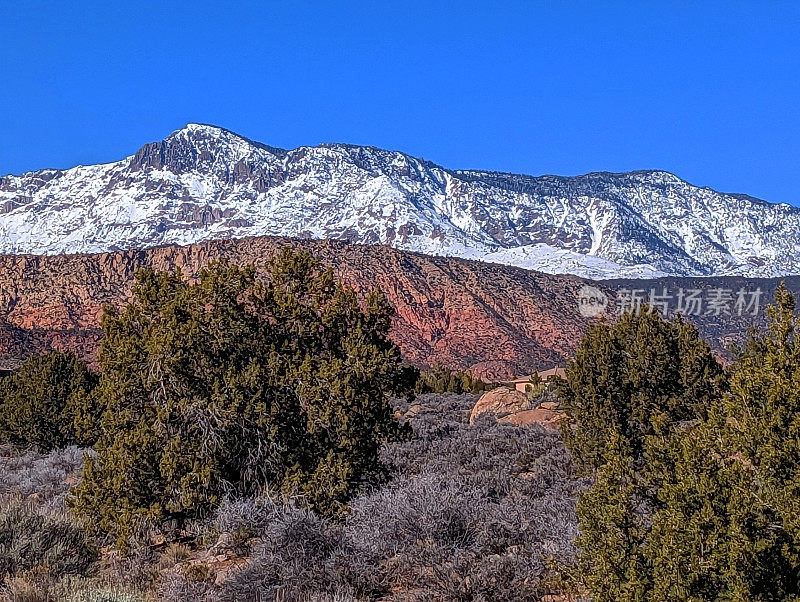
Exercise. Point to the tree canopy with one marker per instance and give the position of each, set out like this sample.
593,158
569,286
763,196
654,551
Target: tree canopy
695,493
728,523
41,402
630,382
233,385
626,375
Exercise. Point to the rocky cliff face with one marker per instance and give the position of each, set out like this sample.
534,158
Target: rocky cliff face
500,320
496,320
203,183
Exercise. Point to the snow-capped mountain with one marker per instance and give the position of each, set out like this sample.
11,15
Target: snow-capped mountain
204,182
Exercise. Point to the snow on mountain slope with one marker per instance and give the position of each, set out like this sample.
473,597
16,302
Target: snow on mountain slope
204,182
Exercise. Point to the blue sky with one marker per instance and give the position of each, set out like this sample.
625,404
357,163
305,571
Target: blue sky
709,91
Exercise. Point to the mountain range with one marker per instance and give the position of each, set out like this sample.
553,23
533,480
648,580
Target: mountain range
205,183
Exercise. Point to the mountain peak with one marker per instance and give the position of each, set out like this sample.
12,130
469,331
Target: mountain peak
205,130
198,145
204,182
205,127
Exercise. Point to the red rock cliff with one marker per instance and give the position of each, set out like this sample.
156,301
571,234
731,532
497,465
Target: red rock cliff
459,313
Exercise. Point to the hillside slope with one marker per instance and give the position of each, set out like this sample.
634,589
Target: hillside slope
498,320
460,313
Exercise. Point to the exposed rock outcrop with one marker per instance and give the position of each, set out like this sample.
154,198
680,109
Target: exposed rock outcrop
542,416
500,402
497,321
514,407
494,370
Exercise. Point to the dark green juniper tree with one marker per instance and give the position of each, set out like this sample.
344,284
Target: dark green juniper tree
701,509
41,403
232,386
729,525
624,375
630,381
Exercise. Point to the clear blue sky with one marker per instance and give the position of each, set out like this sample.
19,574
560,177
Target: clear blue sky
709,91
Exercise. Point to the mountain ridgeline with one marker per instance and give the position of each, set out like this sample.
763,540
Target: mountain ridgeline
204,183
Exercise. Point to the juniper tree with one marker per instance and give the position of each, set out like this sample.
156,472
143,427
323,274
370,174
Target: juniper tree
728,523
231,385
762,432
41,401
763,411
625,374
711,538
722,517
630,382
613,531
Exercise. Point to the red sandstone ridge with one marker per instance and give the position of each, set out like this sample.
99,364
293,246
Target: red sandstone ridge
455,312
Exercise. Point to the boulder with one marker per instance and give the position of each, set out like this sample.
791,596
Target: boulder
550,405
500,402
547,418
514,407
413,410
